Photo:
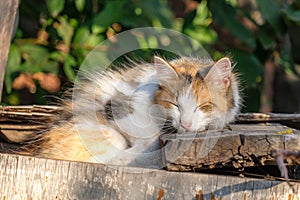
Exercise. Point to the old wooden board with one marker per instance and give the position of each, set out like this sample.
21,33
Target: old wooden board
36,178
242,145
8,10
292,120
267,117
16,122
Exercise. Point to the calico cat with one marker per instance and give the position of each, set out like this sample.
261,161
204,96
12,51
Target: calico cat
116,117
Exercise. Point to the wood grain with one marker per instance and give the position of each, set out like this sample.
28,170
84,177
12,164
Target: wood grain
36,178
267,117
244,145
17,122
8,11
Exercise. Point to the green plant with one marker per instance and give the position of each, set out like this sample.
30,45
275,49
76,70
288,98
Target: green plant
65,31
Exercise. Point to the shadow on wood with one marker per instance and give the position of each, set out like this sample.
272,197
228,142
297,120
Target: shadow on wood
36,178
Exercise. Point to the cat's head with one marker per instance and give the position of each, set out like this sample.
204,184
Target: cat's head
197,94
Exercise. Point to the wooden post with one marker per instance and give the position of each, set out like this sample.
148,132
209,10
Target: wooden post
8,11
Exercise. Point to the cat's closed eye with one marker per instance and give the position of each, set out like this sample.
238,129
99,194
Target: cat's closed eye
206,107
171,103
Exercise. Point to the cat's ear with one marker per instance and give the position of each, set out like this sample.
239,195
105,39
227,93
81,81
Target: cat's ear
220,73
165,71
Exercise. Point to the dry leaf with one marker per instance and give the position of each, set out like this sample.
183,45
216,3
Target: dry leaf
24,81
42,37
62,47
49,82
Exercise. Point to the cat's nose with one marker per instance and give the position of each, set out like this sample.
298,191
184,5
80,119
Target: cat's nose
186,125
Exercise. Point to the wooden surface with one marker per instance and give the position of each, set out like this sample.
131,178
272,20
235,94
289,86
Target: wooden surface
267,117
243,146
34,178
16,122
292,120
8,11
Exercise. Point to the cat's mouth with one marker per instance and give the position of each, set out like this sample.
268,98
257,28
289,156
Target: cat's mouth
170,127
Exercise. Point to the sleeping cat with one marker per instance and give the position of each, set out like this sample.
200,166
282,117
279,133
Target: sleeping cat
116,117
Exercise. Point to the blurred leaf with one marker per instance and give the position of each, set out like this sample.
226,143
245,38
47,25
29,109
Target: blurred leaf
69,63
14,98
266,37
111,13
94,40
80,54
287,63
51,67
48,22
196,24
14,59
152,42
203,16
270,10
65,30
201,34
12,66
292,14
56,55
154,13
225,15
35,57
157,11
81,35
55,6
189,19
85,38
80,5
249,67
97,29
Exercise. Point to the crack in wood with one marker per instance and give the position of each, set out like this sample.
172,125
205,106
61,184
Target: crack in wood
243,146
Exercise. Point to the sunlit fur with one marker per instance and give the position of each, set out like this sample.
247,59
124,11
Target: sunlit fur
116,117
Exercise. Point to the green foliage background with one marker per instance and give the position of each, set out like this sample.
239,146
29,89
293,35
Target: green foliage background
54,36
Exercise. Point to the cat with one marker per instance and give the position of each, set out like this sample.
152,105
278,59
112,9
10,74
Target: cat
117,116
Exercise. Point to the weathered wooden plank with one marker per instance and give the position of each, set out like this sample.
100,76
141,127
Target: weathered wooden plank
245,145
17,122
32,112
242,146
264,117
36,178
8,11
292,120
